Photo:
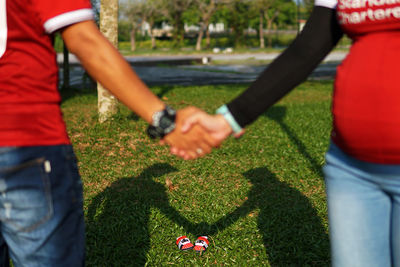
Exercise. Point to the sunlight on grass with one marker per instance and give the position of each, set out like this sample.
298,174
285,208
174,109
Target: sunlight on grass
260,199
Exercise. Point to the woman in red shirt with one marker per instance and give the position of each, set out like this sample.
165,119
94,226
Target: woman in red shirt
362,170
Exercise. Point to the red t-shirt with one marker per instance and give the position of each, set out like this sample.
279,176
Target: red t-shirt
366,102
30,112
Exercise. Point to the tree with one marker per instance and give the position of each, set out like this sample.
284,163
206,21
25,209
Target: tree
261,28
206,8
107,103
270,11
239,15
151,12
173,10
137,12
308,4
132,10
287,16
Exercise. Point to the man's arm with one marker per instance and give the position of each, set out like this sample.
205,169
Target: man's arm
104,63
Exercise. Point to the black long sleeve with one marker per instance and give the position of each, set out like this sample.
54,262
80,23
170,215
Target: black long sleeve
319,36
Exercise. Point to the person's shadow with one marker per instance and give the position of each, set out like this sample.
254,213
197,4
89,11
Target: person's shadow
292,232
118,220
278,113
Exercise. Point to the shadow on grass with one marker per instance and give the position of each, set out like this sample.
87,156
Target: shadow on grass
118,220
292,232
277,113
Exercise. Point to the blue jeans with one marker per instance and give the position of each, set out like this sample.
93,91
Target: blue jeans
41,207
363,211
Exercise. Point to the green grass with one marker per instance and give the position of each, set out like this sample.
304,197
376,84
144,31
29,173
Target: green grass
167,47
260,199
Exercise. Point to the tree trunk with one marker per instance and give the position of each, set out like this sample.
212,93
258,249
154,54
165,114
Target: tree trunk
153,38
208,11
133,39
179,30
107,103
208,38
153,42
200,36
261,29
269,23
237,36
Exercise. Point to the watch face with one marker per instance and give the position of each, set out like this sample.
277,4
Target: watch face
165,122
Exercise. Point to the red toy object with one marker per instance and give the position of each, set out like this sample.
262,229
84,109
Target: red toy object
201,244
184,243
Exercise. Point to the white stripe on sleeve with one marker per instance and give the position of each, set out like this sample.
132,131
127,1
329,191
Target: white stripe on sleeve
326,3
68,18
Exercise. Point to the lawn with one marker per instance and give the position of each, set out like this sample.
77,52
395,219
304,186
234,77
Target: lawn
260,199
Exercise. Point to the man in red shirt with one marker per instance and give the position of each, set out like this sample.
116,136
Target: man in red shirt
41,193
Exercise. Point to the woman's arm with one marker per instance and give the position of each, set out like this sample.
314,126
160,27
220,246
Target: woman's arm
319,36
104,63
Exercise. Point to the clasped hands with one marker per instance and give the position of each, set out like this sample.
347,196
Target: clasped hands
196,133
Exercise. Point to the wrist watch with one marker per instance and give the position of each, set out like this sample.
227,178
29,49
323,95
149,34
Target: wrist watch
163,122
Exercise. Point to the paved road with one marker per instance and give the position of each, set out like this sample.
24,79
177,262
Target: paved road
178,70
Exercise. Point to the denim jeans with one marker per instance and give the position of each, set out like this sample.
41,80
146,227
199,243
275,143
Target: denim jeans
41,207
363,211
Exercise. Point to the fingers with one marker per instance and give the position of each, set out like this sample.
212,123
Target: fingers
199,152
196,133
216,125
190,121
191,145
238,135
200,143
201,118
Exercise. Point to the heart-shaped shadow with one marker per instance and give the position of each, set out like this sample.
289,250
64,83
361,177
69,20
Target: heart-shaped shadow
118,220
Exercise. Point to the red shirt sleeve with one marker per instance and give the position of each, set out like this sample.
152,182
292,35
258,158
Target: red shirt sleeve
56,14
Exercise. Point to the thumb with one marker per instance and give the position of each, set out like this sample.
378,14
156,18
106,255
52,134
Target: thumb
189,122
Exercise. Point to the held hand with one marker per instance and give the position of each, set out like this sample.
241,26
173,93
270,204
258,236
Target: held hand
215,125
192,144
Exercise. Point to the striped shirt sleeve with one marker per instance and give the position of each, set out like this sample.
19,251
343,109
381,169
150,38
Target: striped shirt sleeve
56,14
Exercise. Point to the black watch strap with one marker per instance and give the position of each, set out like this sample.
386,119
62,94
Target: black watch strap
163,122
